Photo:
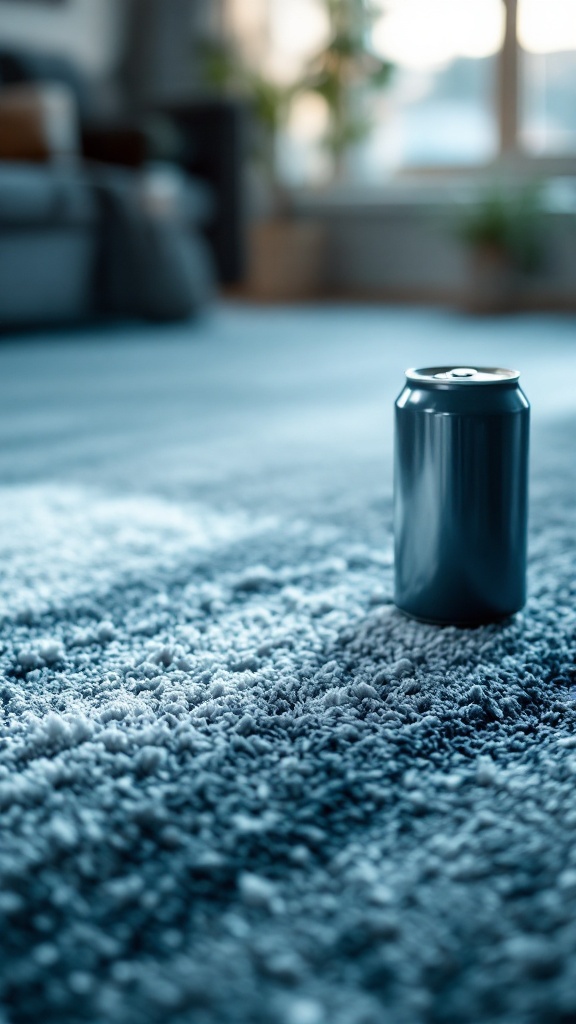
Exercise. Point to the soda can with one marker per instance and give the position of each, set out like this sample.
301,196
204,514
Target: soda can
461,494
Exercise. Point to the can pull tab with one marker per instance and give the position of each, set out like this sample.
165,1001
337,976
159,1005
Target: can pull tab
443,376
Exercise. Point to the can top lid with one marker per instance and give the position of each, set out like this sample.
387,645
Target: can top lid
462,375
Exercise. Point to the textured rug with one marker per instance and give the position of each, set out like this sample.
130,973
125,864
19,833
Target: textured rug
236,785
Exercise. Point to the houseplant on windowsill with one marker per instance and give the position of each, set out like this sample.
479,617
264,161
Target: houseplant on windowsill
287,254
344,72
505,237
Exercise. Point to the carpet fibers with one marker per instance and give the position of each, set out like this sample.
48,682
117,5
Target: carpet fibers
236,785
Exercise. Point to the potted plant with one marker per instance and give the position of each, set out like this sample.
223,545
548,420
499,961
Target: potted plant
504,233
287,254
343,73
267,101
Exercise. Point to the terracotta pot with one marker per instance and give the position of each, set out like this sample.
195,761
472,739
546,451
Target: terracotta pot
492,281
286,260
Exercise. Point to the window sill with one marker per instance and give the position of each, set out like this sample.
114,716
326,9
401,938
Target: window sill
421,194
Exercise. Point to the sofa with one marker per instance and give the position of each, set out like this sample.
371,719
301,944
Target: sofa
48,245
97,219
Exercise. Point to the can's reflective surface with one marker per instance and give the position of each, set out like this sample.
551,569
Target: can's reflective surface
461,494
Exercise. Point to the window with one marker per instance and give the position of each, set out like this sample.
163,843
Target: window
547,38
473,79
440,107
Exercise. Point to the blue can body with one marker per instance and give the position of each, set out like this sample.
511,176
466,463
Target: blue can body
461,495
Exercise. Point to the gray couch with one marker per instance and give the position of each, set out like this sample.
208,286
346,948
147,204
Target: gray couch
202,136
79,242
48,245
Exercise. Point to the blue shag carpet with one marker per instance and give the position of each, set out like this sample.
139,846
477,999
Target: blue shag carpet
236,785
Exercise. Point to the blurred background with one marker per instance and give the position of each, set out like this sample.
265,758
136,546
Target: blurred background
155,153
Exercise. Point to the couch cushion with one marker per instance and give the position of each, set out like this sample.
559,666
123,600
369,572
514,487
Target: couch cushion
153,263
46,194
26,66
165,189
157,190
38,123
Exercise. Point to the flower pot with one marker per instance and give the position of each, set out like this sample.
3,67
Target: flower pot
492,281
286,260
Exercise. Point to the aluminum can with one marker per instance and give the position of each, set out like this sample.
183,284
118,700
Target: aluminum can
461,494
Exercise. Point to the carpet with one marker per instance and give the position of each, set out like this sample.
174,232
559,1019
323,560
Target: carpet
237,785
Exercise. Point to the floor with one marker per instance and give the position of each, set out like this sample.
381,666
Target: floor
237,786
211,407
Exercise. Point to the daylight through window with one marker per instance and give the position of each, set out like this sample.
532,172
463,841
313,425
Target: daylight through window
441,107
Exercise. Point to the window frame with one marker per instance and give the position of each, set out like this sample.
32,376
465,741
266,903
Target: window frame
511,155
511,158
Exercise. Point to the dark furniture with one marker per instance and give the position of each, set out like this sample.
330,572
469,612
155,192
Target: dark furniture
210,134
